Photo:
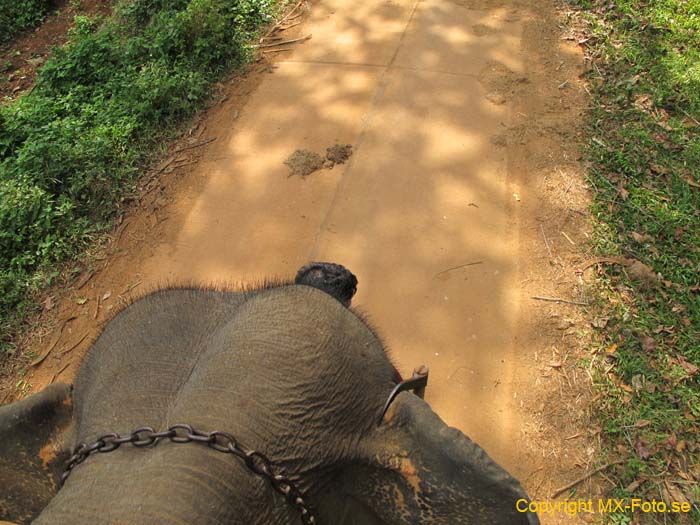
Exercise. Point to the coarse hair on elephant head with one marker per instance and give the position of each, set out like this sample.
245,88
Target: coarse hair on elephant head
288,370
334,279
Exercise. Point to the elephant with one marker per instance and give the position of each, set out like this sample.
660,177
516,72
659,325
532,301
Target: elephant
287,369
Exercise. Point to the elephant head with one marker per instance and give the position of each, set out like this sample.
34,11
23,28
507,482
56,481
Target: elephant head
289,370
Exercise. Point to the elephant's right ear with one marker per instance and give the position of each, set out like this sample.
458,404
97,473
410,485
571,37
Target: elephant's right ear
416,469
30,458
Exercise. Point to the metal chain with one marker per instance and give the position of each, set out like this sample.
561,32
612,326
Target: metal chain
256,461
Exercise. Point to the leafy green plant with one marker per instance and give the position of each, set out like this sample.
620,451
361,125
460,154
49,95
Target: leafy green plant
17,15
73,147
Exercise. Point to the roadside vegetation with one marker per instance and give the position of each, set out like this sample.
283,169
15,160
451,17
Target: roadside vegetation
18,15
644,154
73,147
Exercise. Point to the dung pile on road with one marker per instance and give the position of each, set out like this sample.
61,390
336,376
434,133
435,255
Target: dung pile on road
337,154
303,162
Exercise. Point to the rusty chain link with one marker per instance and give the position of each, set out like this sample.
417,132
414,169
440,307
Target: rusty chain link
256,461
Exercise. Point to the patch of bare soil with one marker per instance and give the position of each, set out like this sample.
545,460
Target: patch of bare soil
552,195
500,82
23,57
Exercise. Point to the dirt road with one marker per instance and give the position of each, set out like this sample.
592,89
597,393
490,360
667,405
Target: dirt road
462,199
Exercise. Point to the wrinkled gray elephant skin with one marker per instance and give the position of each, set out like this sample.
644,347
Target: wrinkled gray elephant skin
287,369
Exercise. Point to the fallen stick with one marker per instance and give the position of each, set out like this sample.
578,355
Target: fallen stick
289,26
288,16
568,238
285,42
545,241
43,356
684,111
532,474
599,260
458,267
59,372
558,300
84,280
129,288
584,478
278,50
157,171
193,161
195,145
122,228
74,346
161,167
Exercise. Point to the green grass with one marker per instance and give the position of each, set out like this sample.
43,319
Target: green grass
75,145
18,15
644,152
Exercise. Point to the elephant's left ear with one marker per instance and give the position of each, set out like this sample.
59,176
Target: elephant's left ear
30,456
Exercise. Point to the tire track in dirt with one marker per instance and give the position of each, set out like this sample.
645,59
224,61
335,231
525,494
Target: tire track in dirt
461,116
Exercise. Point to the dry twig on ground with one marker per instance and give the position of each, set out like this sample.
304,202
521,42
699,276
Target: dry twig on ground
458,267
285,42
584,478
289,16
546,242
558,300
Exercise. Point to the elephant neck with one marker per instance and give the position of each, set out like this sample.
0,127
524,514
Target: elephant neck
179,485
